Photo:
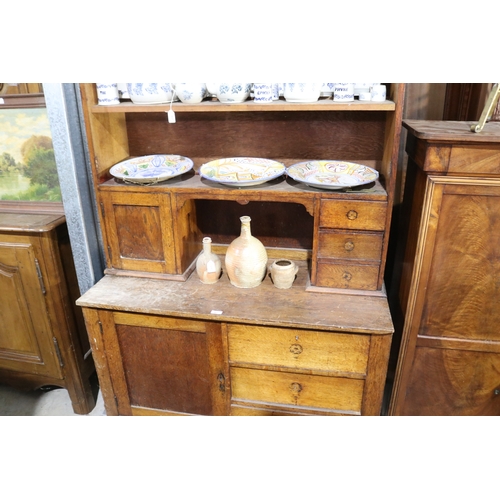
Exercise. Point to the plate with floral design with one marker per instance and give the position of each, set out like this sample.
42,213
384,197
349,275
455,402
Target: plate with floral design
151,169
242,171
331,174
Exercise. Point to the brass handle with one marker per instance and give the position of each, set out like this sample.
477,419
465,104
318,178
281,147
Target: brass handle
349,246
296,349
352,215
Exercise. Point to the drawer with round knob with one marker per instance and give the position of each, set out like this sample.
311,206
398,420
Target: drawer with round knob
298,349
296,390
349,214
356,275
350,245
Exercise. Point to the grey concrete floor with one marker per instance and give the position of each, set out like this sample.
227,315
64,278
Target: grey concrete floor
55,402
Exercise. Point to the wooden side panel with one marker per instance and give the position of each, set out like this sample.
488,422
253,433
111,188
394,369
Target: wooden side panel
453,382
463,293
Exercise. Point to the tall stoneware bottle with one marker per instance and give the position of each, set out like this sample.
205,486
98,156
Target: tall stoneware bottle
208,264
246,258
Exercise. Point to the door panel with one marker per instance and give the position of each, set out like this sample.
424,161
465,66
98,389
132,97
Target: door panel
25,333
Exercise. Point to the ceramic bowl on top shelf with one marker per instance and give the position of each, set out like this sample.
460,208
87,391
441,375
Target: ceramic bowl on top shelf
151,93
233,92
191,93
302,92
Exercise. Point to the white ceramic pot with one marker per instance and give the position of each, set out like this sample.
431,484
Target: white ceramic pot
150,93
302,92
233,92
192,93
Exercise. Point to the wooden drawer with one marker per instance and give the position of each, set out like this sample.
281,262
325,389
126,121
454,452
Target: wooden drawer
352,245
347,214
347,274
298,349
293,390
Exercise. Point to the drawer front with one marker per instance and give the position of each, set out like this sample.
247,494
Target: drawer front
366,246
296,390
346,214
344,274
300,349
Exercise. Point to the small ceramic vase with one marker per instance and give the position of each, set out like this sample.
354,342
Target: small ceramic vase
246,258
208,264
283,272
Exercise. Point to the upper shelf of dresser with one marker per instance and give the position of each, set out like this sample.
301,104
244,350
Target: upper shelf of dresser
323,104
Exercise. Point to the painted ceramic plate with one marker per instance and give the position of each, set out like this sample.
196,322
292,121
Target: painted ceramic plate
242,171
326,174
151,169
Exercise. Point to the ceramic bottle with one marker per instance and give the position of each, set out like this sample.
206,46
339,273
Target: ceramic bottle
246,258
208,264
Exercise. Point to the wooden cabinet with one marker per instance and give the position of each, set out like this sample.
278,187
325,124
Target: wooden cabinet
43,340
449,362
154,234
167,347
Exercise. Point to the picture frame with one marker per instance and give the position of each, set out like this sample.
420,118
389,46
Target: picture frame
28,170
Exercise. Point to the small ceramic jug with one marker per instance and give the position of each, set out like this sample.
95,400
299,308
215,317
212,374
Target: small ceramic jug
283,272
208,264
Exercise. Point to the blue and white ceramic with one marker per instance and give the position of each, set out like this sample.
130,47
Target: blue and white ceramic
192,93
263,92
233,92
151,169
327,90
302,92
107,93
150,93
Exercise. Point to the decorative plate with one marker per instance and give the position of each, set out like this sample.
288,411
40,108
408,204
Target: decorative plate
329,174
151,169
242,171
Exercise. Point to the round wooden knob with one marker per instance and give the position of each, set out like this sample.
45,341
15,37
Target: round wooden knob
347,276
295,387
352,214
349,245
296,349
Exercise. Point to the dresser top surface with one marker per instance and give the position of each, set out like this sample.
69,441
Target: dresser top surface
263,305
453,131
29,222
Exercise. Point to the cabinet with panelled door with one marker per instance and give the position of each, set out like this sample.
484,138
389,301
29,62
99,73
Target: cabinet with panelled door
43,341
339,238
449,362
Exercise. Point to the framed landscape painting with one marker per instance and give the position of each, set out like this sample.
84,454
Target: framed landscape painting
28,171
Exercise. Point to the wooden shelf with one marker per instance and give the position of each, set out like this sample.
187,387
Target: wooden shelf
214,106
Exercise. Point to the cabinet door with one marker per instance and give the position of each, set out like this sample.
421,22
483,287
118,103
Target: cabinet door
159,365
449,361
26,341
138,232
